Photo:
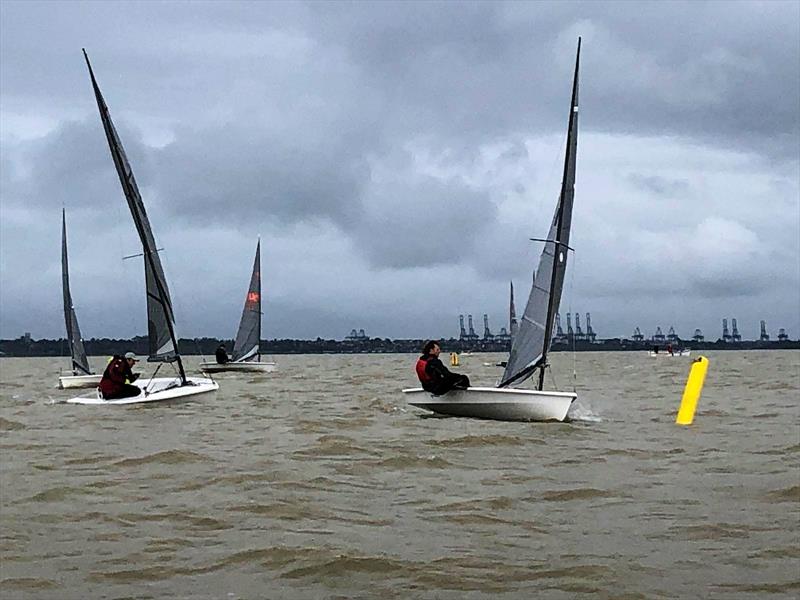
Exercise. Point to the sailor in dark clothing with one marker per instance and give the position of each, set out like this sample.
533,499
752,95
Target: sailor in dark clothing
222,355
115,381
434,376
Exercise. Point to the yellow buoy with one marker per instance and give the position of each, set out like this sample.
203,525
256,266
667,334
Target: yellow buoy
453,359
691,394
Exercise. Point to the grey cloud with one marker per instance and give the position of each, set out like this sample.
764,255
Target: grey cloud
661,186
70,166
465,71
248,174
676,69
419,221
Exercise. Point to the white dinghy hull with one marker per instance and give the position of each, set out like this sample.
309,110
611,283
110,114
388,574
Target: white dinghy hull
66,382
160,389
665,353
238,367
499,404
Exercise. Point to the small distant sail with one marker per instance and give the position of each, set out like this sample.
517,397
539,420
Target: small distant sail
160,319
248,338
79,361
532,341
512,316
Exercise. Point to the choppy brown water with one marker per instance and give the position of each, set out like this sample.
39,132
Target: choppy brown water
319,482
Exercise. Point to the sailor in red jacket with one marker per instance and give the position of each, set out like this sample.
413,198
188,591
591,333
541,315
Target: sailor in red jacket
114,384
434,376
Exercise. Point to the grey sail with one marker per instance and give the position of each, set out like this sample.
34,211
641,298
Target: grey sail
160,320
80,364
248,338
532,342
512,316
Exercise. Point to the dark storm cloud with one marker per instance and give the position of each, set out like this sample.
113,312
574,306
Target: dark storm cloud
721,76
253,174
70,166
474,70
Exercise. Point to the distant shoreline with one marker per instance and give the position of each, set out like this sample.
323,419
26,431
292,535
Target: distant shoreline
25,346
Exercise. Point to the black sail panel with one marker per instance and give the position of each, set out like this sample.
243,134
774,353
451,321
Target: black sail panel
163,342
534,336
160,343
248,338
80,363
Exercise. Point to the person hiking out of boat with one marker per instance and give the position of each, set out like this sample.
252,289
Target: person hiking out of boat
222,355
115,381
433,375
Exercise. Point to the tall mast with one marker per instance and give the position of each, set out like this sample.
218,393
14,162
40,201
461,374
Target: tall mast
131,191
560,249
258,258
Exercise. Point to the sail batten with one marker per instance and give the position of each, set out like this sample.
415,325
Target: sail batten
532,341
80,363
248,337
160,318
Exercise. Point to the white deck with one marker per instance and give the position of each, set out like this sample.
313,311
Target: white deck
157,390
500,404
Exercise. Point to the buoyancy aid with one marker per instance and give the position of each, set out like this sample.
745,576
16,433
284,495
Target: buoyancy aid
422,374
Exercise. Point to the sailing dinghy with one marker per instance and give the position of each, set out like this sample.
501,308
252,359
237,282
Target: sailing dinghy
246,349
668,353
534,334
82,375
163,342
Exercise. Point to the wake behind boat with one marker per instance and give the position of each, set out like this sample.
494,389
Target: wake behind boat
161,330
533,337
246,348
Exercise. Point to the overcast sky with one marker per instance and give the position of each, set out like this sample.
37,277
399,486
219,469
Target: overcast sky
395,159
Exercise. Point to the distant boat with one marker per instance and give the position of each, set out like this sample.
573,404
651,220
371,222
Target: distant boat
82,375
533,338
246,349
160,320
668,352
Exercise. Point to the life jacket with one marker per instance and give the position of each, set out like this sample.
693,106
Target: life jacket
423,376
115,370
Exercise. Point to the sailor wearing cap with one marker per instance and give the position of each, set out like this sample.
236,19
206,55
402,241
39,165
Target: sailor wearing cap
118,373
